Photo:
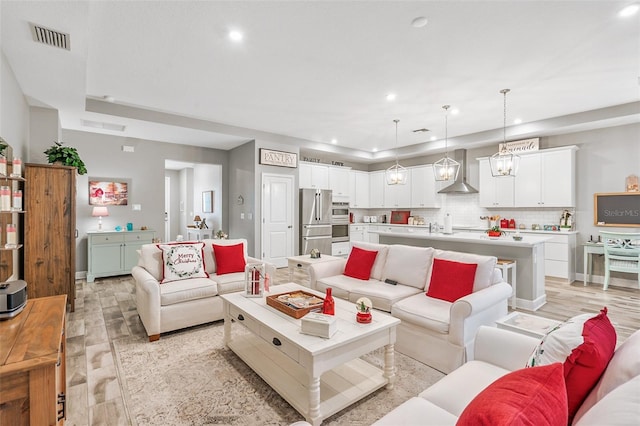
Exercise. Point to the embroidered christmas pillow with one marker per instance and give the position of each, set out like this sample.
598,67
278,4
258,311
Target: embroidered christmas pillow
182,261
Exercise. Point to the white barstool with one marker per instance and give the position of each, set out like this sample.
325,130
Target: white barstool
507,265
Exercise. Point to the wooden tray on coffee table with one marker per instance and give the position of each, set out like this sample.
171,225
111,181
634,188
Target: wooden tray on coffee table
296,303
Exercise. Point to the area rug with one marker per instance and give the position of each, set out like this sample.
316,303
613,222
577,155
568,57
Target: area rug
190,378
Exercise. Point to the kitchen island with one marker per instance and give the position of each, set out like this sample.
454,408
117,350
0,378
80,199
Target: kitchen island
529,253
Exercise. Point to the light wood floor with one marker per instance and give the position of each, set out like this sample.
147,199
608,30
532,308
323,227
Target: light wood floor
106,311
566,300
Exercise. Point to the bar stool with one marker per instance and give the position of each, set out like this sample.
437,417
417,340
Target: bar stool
507,265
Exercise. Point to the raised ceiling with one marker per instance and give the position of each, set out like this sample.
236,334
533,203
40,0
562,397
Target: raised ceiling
307,72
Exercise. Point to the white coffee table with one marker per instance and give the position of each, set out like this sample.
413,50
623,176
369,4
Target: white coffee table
302,262
317,376
530,325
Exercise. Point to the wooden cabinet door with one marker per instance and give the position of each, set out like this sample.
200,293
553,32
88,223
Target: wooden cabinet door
49,233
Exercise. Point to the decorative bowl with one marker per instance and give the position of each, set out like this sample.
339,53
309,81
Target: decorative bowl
517,237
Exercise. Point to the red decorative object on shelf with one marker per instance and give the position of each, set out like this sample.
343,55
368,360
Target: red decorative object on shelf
328,306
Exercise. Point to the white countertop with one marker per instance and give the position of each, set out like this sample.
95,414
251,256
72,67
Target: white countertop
469,228
463,237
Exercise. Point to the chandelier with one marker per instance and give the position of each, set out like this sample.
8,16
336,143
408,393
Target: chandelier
396,174
504,162
446,168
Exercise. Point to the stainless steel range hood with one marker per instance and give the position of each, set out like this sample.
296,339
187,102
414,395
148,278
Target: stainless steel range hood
460,186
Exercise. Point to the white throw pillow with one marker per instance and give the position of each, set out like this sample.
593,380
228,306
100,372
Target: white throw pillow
151,260
408,265
182,261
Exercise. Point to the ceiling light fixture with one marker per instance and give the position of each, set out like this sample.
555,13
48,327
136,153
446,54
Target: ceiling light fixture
396,174
446,168
235,35
334,141
517,121
629,10
391,97
455,111
504,162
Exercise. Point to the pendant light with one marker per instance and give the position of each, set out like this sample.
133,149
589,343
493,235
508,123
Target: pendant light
504,162
446,168
396,174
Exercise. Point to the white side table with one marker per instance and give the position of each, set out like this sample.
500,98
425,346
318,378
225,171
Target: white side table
530,325
302,262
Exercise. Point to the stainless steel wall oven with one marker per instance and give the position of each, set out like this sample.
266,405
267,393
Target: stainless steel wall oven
339,222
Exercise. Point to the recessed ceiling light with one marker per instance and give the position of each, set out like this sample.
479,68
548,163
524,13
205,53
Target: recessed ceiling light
375,149
517,121
455,111
334,141
630,10
433,138
391,97
108,98
236,35
419,22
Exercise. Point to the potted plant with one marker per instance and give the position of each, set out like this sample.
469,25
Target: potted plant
66,156
494,231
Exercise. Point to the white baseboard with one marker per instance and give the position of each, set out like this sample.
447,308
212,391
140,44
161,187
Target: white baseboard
613,281
531,305
81,275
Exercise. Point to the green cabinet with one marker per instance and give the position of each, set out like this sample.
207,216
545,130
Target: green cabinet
114,253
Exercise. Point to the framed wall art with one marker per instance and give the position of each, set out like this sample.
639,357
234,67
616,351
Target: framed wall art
108,192
207,201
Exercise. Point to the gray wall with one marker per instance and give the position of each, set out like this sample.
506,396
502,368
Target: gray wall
145,168
242,163
14,111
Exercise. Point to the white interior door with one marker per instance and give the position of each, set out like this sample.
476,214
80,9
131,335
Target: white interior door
277,218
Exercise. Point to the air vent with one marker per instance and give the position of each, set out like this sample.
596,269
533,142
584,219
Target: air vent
105,126
420,130
50,37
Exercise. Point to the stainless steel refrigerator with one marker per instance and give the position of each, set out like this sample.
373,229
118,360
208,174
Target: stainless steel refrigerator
315,220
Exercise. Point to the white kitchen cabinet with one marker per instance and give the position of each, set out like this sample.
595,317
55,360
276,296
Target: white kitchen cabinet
358,233
373,237
358,189
546,179
339,183
313,176
494,191
376,190
560,255
396,196
424,193
340,249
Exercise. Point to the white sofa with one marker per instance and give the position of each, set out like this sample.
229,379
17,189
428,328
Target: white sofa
185,303
433,331
615,399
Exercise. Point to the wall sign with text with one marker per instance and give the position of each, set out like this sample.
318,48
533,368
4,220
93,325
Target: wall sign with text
278,158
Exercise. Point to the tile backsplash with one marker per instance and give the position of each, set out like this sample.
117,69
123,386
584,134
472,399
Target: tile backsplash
466,211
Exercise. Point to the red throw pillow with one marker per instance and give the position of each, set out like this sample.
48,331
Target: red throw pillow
585,344
229,258
359,263
451,280
530,396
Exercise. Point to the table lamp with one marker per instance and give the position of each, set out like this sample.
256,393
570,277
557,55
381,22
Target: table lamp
197,220
99,212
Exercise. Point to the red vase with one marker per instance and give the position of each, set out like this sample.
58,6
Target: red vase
328,306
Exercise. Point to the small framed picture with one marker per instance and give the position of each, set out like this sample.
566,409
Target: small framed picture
207,201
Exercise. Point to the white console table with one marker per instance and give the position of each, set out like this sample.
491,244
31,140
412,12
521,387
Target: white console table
197,234
114,253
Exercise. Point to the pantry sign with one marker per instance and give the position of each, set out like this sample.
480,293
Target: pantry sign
278,158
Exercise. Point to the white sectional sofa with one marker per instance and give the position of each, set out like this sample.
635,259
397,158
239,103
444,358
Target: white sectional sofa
436,332
615,399
185,303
